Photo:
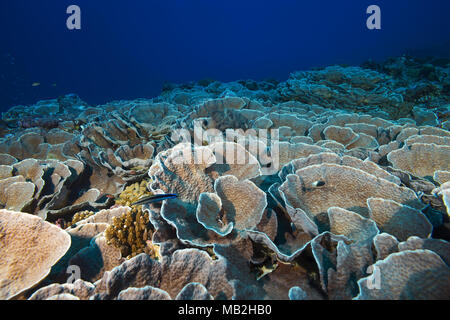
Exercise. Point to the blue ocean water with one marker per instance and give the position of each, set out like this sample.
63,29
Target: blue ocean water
129,49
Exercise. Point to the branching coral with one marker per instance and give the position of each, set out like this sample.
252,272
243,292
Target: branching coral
132,232
79,216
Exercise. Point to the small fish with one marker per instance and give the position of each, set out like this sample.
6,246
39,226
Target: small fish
318,184
315,185
110,196
155,198
36,84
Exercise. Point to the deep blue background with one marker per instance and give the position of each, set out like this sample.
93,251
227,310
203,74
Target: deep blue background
128,49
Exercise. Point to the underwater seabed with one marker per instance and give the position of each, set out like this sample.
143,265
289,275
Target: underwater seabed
345,196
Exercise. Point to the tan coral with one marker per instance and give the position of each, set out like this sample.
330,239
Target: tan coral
32,170
171,274
85,245
285,152
398,219
18,196
63,296
7,159
386,148
328,157
332,145
297,125
79,289
210,106
5,183
439,140
350,224
30,247
145,293
239,202
6,171
233,159
128,162
58,136
369,129
363,141
81,237
342,135
232,192
184,166
427,130
16,193
438,246
384,244
405,133
421,159
28,145
441,176
317,187
407,275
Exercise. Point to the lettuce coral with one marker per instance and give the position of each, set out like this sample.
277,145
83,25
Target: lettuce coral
347,182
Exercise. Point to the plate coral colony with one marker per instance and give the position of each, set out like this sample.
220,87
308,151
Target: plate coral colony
334,184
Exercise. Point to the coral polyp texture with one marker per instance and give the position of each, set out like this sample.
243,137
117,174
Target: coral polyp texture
334,184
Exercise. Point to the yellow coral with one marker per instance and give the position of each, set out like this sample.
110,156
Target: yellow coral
133,193
79,216
132,233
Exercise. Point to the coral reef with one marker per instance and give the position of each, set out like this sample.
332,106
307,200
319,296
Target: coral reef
314,188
